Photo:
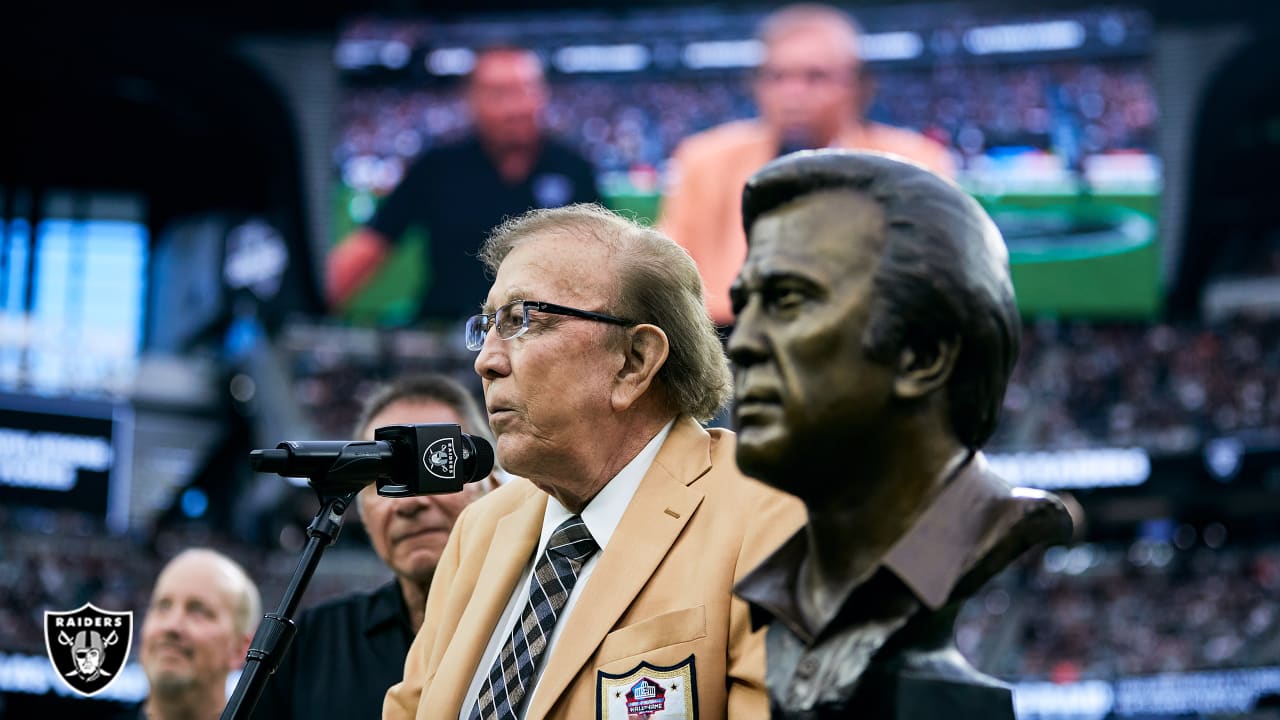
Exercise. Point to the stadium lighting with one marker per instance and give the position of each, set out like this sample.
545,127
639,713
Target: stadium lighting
451,61
626,57
1088,700
1175,693
891,46
1074,469
394,55
1224,456
723,54
717,54
359,54
1025,37
356,54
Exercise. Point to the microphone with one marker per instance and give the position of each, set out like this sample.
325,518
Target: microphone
404,460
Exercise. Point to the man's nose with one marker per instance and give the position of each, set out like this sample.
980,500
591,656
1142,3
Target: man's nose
492,361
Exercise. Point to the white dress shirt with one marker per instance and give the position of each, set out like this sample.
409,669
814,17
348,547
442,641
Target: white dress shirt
601,517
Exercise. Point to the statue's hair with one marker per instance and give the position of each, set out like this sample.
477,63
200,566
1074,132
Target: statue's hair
943,272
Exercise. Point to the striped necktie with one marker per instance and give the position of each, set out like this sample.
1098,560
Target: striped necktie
511,677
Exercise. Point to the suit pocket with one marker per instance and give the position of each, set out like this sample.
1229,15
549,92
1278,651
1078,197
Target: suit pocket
659,631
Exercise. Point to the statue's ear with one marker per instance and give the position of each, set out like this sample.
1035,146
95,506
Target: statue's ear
922,370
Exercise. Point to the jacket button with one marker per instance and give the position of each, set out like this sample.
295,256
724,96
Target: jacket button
808,666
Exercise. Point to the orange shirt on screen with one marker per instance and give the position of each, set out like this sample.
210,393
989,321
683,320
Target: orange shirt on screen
701,208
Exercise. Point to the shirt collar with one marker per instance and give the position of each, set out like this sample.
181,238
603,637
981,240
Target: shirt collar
948,538
930,558
770,588
605,510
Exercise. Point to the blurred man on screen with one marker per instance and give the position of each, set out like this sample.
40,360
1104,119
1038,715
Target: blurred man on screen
811,91
458,192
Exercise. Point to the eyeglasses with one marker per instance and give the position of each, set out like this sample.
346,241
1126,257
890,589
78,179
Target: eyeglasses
512,320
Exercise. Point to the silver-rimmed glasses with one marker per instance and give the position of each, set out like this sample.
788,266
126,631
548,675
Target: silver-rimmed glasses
512,320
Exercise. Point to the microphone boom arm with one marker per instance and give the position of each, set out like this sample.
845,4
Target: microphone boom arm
404,461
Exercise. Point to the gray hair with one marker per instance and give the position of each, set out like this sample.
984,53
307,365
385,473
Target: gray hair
247,608
658,284
426,387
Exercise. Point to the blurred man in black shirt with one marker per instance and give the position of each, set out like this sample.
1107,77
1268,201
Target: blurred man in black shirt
459,192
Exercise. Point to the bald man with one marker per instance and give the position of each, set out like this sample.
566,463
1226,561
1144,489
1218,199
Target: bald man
202,616
811,92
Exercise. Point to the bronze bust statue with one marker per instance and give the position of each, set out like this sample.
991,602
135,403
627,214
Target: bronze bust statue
876,330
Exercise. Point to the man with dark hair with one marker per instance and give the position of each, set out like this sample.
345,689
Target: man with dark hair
350,650
599,583
459,191
876,330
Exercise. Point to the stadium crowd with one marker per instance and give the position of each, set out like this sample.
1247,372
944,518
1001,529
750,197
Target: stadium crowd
630,127
1163,387
1087,612
1108,611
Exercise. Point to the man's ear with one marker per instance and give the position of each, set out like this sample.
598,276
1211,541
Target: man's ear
239,651
920,371
644,354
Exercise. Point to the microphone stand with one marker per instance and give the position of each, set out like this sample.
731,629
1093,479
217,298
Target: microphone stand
276,631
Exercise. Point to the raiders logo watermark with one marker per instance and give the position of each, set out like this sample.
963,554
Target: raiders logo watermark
88,646
441,459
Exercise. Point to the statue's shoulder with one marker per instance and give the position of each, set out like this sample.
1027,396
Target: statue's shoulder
1027,518
942,683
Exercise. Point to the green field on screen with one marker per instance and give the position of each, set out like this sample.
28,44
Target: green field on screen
1071,255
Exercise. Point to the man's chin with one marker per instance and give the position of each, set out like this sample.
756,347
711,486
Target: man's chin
168,683
417,573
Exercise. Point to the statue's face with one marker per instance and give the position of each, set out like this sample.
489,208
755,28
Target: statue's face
803,386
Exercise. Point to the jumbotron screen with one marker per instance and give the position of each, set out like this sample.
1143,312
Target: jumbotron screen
1051,118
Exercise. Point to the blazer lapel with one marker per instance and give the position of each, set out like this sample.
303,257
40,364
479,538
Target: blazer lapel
514,540
662,506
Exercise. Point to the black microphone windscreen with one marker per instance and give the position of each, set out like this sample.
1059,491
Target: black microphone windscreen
483,454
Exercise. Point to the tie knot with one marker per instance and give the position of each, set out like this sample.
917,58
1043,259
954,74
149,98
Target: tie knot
572,540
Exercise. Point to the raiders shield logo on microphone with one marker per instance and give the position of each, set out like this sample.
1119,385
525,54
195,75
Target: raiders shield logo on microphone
441,459
88,646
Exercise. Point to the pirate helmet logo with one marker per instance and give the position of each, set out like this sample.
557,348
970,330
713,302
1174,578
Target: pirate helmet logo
88,646
441,459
